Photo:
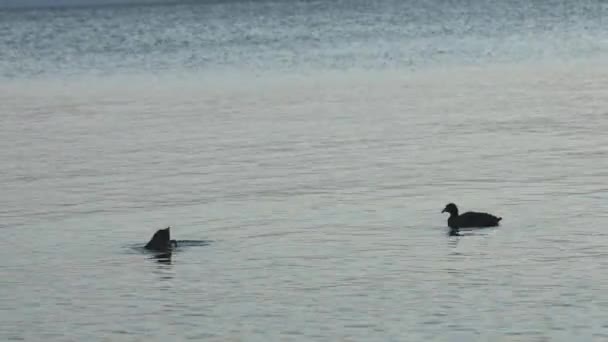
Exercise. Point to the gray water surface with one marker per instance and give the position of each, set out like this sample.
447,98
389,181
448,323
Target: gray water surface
296,36
318,184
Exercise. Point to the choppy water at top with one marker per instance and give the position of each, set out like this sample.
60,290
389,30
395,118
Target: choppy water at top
313,144
297,35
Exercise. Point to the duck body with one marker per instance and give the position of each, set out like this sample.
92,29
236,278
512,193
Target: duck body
473,219
161,241
469,219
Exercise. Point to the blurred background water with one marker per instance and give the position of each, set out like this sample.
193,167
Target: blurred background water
315,144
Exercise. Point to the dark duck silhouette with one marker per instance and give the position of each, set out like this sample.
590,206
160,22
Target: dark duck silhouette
469,219
161,241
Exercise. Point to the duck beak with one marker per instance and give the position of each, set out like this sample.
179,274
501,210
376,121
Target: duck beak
443,211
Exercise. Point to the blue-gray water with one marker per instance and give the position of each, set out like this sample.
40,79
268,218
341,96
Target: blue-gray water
314,145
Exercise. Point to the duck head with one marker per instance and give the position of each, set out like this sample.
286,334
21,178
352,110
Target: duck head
451,208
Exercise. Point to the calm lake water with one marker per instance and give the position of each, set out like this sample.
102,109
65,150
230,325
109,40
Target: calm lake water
312,145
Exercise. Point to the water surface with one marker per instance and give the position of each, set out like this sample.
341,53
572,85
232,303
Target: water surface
318,180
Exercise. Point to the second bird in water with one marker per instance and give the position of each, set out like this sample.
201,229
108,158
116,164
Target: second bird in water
469,219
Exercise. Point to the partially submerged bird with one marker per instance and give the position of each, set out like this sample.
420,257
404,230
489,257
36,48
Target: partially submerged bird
161,241
469,219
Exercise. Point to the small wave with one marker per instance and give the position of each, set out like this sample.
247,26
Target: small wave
140,247
192,243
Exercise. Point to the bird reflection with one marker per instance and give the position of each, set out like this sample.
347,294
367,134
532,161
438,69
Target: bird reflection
163,258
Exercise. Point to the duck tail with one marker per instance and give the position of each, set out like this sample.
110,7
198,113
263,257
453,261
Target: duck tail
498,219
